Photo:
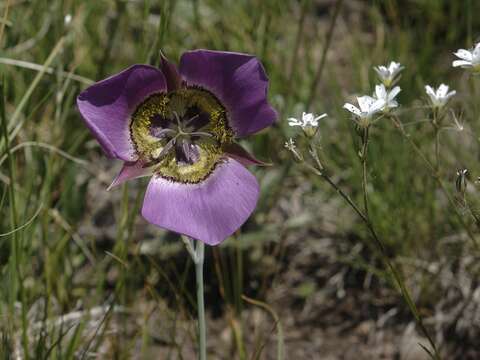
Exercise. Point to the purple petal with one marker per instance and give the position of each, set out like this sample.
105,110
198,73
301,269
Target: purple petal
131,171
107,105
209,211
170,71
238,81
237,152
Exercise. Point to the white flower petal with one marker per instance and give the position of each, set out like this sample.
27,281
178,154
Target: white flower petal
380,91
383,69
376,106
307,118
430,92
476,52
464,54
353,109
462,63
320,117
394,67
442,91
294,122
393,104
450,94
395,91
365,102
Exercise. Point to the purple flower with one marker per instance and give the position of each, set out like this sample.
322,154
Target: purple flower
179,125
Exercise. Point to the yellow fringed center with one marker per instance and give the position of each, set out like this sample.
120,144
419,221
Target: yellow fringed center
181,133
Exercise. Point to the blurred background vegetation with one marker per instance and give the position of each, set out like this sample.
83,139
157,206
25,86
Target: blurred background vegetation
84,276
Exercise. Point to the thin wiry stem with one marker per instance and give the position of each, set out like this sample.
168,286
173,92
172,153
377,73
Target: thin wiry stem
364,169
436,176
436,128
382,249
437,149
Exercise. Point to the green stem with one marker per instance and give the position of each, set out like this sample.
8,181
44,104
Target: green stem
396,275
202,335
197,254
437,140
436,176
382,249
364,166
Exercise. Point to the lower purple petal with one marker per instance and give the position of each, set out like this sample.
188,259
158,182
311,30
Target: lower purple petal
107,106
209,211
238,80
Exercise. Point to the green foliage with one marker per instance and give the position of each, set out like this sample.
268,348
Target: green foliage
85,248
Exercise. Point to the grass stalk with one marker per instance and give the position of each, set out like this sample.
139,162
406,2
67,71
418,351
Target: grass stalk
15,276
319,72
294,58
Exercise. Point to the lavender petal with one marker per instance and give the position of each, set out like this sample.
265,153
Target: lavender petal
106,107
238,81
209,211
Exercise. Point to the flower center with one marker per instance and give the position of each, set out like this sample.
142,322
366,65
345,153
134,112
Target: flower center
181,133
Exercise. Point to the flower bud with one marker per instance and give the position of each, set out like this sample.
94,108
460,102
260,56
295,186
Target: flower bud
461,181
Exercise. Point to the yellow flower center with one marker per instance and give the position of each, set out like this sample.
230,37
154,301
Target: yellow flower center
181,133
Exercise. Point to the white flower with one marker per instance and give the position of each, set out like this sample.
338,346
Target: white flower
388,97
440,96
469,58
290,145
368,106
67,19
308,119
387,74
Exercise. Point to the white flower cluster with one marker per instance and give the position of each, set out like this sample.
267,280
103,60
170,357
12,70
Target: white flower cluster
469,59
383,100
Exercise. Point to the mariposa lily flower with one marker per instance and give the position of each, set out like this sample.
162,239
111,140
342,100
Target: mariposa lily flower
387,96
388,75
179,125
440,96
470,59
